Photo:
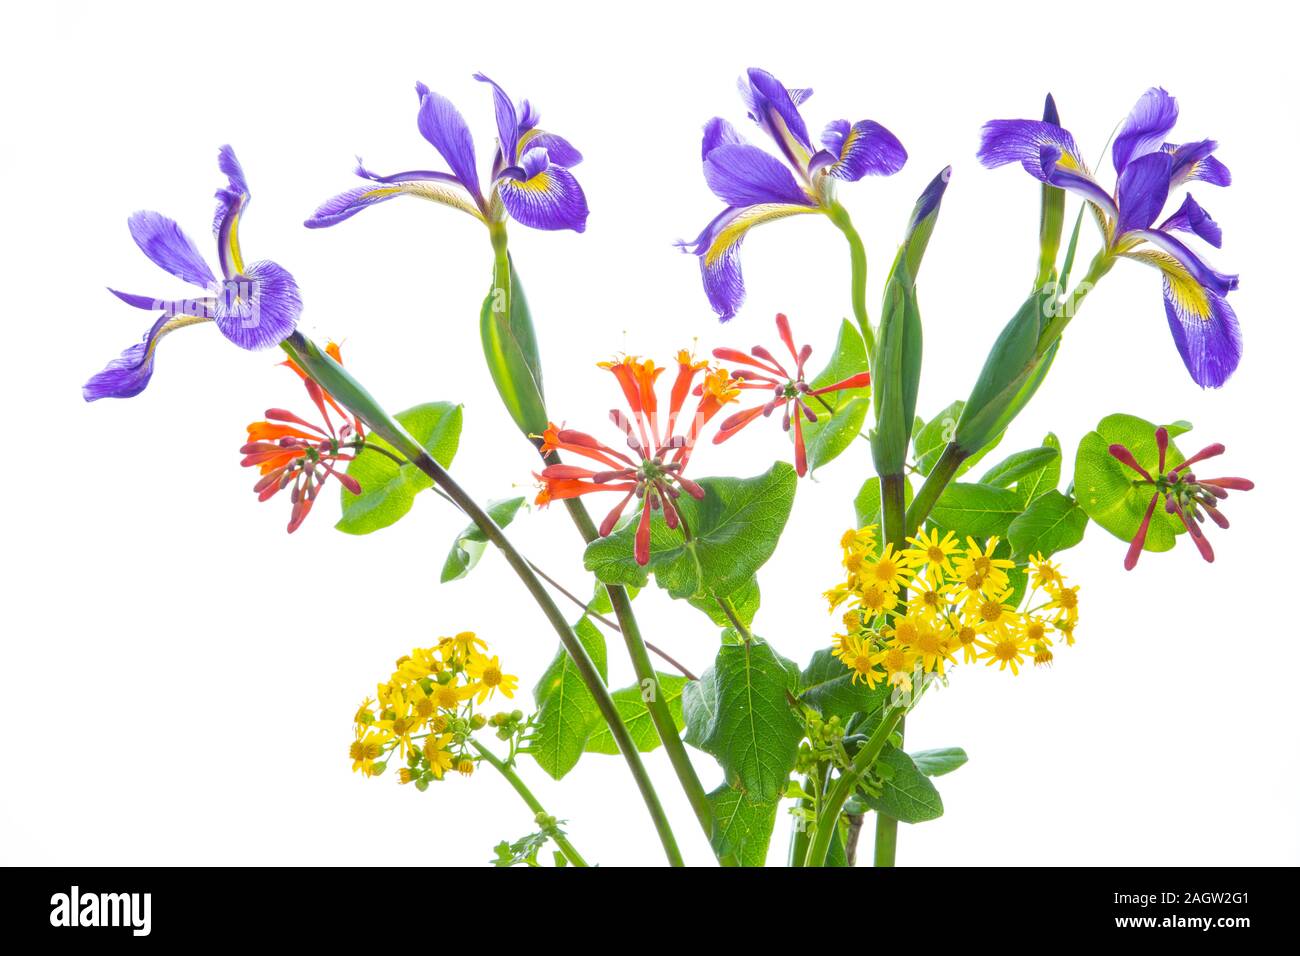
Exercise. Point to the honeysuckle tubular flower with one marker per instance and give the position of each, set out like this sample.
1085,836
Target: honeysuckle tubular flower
659,448
790,392
255,306
530,178
1148,168
758,188
291,452
1188,497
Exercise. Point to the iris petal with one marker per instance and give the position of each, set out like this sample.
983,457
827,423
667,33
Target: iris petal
1194,161
442,125
549,199
1146,127
1022,141
559,149
167,246
1213,281
718,132
507,120
347,204
260,308
865,148
128,374
1142,191
775,105
1190,217
742,175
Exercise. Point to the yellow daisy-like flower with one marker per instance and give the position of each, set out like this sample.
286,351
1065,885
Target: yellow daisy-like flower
840,593
465,766
931,552
364,714
487,672
367,749
856,654
1007,649
988,614
448,696
1066,630
889,572
435,751
976,563
859,540
422,662
401,722
965,635
1043,573
926,600
1066,602
934,647
899,663
877,600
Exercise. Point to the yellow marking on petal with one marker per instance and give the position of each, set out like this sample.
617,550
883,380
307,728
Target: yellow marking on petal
1187,293
236,257
430,191
734,231
541,183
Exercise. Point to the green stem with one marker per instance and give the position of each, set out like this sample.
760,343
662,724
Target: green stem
521,788
944,470
660,715
1102,263
801,836
338,382
858,256
729,610
833,803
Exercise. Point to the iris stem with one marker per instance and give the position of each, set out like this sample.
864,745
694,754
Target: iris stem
660,715
338,382
858,256
570,853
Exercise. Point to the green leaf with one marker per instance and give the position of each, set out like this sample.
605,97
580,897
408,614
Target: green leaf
1180,427
388,489
631,704
472,542
734,530
741,825
745,601
866,504
840,415
1022,464
1111,494
567,714
1052,523
748,725
978,510
906,793
827,685
935,763
1040,482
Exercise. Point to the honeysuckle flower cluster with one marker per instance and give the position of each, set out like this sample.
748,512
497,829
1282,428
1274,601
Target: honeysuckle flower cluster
790,392
912,612
1188,497
425,714
291,452
255,306
530,178
758,188
1148,170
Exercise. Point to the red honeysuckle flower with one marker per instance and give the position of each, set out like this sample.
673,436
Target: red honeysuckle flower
290,451
659,454
766,373
1188,497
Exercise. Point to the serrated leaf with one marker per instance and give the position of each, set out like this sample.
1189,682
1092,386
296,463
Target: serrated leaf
935,763
567,714
978,510
1051,523
748,726
1110,493
827,685
631,704
734,530
388,489
742,826
907,794
472,542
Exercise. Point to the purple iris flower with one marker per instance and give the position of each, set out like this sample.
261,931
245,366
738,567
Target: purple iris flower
255,306
759,188
1148,169
530,179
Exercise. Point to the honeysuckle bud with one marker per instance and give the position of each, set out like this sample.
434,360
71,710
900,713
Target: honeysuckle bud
1052,217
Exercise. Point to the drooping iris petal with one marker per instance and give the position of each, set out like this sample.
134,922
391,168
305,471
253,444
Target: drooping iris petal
1207,335
1193,161
260,308
544,196
163,241
1146,127
1022,141
507,120
347,204
1142,191
742,175
560,150
1190,217
169,306
775,109
407,176
718,132
865,148
1210,279
1057,169
128,374
442,125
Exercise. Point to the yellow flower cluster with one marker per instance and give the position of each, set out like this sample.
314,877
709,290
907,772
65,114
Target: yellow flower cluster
424,713
913,611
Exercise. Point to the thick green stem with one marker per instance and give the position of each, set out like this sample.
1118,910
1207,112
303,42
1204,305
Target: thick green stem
1102,263
338,382
660,715
833,803
944,470
858,258
521,788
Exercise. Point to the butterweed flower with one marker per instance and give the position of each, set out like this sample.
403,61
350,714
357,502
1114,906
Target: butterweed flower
758,188
291,452
1188,497
659,449
255,305
1148,169
790,391
530,177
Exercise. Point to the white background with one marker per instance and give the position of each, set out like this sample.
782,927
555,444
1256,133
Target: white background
179,675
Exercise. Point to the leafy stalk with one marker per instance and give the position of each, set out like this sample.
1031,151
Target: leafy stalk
570,852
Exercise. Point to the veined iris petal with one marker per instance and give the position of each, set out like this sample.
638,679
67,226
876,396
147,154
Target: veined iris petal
442,125
865,148
542,196
742,175
1142,191
1145,128
1190,217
